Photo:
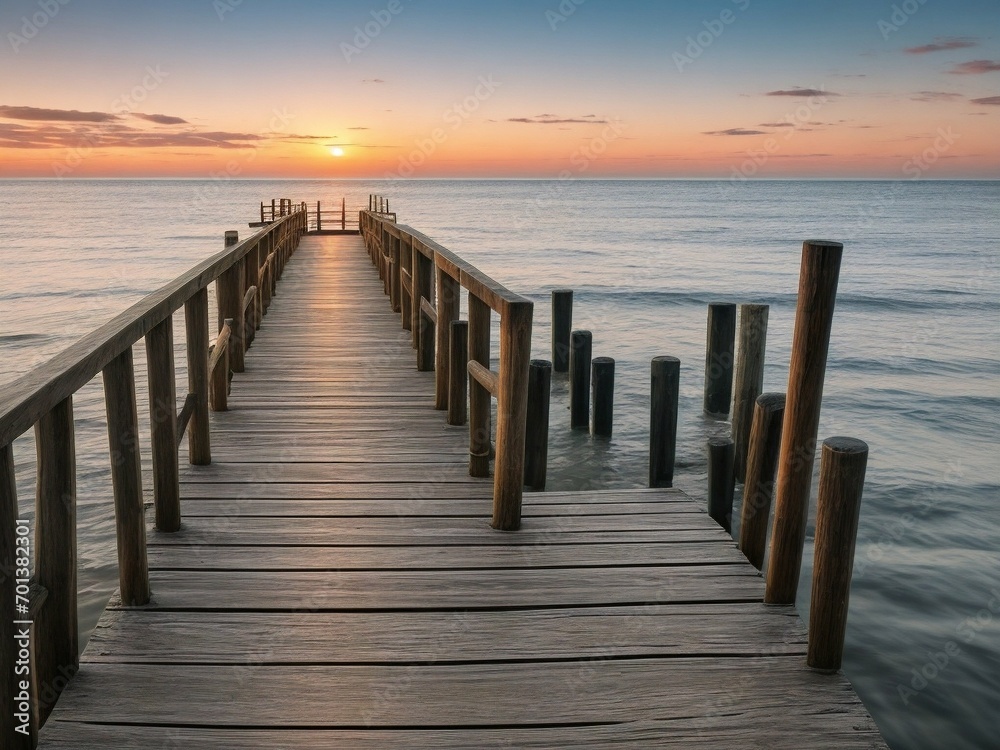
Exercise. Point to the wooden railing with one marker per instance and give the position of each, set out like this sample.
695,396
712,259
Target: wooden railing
38,616
423,281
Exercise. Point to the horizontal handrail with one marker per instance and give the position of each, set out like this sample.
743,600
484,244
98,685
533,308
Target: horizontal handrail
30,397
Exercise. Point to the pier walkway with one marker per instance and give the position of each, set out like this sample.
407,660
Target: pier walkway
336,583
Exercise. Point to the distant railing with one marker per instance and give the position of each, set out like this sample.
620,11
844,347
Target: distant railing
38,616
423,281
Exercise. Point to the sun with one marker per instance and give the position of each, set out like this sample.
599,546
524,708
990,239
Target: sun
337,151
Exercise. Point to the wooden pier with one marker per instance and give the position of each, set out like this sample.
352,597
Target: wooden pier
336,578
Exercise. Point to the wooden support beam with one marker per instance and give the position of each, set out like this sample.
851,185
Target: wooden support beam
196,332
163,425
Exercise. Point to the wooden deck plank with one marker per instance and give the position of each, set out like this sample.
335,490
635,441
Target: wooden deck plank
336,583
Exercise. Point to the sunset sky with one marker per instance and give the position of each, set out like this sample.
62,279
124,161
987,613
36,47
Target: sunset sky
521,88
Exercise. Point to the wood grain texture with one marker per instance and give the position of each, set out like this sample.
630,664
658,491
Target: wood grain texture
749,380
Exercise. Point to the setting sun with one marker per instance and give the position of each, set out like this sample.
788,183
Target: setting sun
337,151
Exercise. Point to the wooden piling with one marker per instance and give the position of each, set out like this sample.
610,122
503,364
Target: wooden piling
721,481
319,217
762,462
603,386
196,333
817,296
562,327
56,644
458,379
343,214
841,482
719,358
229,294
665,385
126,479
425,319
581,347
163,425
749,379
536,444
479,397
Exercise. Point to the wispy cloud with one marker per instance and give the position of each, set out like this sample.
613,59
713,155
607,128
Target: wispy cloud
372,80
550,119
975,67
935,96
735,131
777,125
941,44
359,127
161,119
990,100
54,115
801,92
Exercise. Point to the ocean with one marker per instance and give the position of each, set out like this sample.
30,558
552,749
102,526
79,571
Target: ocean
914,366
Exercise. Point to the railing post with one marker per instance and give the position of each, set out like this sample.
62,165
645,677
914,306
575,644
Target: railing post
664,389
536,439
817,295
719,357
229,292
405,297
479,397
163,425
448,299
126,478
841,482
196,333
56,643
18,708
749,379
762,461
343,214
458,378
272,209
512,405
426,336
417,290
319,217
562,327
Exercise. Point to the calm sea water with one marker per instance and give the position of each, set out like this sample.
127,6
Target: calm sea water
914,364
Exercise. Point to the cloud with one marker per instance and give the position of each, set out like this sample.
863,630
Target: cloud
777,125
942,43
549,119
735,131
54,115
372,80
975,67
161,119
990,100
801,92
359,127
935,96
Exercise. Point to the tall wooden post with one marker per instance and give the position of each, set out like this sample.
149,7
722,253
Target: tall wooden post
512,405
56,644
665,387
458,378
719,358
196,333
319,217
818,279
126,479
603,385
479,397
841,481
395,296
229,294
426,336
720,481
749,379
163,425
343,214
